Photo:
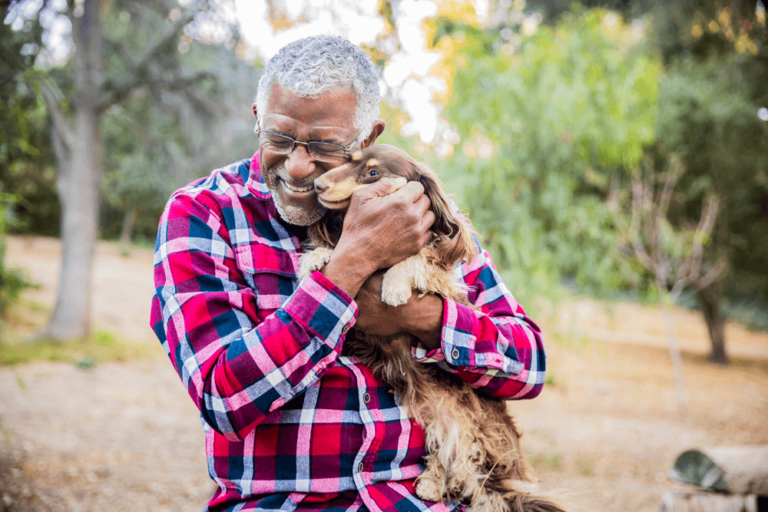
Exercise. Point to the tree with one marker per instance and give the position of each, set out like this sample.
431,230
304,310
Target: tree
715,55
675,255
708,105
103,72
543,121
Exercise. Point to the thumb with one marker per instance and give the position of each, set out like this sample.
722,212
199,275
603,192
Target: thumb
386,186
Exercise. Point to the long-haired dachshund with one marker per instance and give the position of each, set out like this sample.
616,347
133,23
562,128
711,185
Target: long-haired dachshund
474,453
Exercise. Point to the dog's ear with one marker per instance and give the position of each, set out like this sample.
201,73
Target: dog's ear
454,240
327,231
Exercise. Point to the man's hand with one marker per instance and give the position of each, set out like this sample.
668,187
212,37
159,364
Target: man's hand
422,317
385,224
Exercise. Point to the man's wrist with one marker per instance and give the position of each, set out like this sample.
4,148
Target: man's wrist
347,271
426,320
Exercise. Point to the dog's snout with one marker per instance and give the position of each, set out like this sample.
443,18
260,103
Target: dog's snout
321,186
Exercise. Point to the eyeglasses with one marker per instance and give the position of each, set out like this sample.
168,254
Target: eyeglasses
280,144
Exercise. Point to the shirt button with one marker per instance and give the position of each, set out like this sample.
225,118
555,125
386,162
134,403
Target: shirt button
344,329
360,467
455,354
366,398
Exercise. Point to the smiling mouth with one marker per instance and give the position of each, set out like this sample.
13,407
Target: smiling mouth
334,205
298,190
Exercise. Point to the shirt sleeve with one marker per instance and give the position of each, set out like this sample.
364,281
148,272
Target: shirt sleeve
493,346
237,367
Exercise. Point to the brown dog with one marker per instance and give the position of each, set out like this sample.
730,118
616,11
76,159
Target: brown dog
474,453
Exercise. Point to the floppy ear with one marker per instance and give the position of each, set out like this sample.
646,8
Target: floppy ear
454,240
327,231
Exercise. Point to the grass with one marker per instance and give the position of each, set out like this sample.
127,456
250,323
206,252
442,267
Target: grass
584,465
549,461
19,346
100,347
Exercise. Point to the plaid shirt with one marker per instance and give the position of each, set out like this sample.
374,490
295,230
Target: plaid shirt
290,423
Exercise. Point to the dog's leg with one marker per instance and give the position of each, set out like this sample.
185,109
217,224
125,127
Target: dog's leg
420,273
430,485
314,260
398,281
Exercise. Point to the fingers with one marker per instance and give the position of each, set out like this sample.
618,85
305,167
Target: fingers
385,187
412,191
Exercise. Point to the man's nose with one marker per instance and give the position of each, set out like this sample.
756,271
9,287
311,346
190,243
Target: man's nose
299,164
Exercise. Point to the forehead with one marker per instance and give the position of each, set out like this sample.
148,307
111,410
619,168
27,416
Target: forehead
332,109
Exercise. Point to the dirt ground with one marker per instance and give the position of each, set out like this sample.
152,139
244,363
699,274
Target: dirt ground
124,436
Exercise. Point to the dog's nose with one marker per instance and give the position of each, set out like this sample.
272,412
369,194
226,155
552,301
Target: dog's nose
321,186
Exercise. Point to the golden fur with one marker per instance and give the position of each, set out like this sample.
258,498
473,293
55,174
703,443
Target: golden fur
473,447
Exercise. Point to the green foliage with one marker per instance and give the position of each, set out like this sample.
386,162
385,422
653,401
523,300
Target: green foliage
707,117
84,353
12,281
27,167
542,130
189,114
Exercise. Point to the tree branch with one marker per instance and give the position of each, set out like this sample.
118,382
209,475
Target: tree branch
713,274
704,229
112,94
635,226
60,124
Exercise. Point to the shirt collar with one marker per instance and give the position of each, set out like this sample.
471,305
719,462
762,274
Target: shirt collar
256,183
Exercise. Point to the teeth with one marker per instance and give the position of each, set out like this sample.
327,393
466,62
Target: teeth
298,189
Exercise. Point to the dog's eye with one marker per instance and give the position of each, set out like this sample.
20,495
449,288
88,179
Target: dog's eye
373,173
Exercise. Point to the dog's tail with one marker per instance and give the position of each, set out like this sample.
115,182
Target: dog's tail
529,503
538,504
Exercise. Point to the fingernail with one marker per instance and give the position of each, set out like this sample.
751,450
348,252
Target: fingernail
401,181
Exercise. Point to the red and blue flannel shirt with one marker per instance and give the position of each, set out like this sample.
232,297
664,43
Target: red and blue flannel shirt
290,423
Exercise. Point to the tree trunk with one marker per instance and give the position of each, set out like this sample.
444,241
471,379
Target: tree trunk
125,234
709,300
79,184
677,361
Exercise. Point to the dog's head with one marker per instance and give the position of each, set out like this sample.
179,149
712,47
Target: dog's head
453,235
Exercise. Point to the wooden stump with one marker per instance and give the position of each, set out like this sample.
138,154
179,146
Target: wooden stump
707,502
737,470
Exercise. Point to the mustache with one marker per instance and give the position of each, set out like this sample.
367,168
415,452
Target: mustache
280,172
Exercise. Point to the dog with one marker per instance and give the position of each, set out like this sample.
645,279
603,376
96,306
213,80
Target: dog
473,445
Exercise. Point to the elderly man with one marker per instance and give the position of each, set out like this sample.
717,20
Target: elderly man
290,423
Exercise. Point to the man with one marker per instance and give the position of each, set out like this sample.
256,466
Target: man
290,423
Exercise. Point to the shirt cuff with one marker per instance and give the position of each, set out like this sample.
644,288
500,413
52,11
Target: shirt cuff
322,308
459,342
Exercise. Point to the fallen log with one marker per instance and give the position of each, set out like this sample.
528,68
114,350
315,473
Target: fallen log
736,469
699,501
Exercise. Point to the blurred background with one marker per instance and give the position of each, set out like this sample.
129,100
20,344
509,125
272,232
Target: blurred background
612,155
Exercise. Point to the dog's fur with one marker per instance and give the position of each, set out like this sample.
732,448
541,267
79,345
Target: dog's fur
473,447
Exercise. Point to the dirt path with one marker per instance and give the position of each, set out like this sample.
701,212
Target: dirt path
124,436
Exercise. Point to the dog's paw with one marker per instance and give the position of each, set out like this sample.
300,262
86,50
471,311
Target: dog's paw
395,287
428,489
313,260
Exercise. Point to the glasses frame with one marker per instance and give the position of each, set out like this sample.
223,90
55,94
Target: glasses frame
258,131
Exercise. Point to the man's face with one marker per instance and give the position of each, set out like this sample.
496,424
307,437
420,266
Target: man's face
329,118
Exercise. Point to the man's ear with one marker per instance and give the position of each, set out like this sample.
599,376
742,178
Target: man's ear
378,127
255,113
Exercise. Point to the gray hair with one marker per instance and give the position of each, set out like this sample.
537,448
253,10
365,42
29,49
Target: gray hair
314,65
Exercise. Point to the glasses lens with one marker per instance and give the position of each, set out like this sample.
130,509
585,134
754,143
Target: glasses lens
276,143
326,151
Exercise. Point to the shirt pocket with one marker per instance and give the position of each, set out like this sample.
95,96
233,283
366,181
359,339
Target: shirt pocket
272,274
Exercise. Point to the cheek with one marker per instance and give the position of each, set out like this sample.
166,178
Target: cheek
268,165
